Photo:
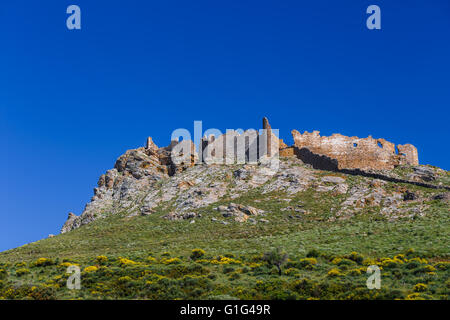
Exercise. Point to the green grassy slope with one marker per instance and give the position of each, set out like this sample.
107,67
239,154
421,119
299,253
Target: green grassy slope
172,273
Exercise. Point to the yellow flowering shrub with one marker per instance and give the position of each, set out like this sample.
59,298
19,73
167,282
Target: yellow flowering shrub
101,259
124,279
91,269
420,260
371,262
67,264
355,272
20,264
414,296
225,260
197,254
420,287
334,273
444,265
400,257
126,262
254,265
391,263
22,271
171,261
42,262
202,261
429,268
308,263
336,260
151,259
309,260
355,256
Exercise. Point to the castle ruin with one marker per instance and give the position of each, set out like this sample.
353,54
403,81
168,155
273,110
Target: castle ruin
342,152
335,152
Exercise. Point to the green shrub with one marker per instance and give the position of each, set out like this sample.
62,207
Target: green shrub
303,286
412,265
234,276
291,272
355,256
227,269
313,253
276,258
345,263
43,293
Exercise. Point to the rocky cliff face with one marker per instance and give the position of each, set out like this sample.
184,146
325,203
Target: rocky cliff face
148,179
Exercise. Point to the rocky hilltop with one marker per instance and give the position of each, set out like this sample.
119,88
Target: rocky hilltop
361,171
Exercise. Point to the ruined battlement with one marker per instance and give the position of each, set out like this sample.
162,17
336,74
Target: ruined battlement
354,152
335,152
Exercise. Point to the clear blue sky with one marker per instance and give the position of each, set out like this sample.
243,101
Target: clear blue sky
71,102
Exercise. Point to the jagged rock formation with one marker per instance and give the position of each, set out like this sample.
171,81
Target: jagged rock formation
175,178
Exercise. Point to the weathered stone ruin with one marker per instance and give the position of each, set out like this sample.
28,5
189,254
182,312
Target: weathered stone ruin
341,152
336,152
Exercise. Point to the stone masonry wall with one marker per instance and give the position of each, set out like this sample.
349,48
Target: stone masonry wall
353,152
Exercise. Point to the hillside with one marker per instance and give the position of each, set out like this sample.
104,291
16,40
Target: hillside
236,214
165,223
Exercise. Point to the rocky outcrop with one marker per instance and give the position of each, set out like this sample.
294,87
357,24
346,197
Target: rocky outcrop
135,173
176,180
70,223
240,213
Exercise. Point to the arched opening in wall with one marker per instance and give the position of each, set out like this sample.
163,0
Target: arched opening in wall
355,145
380,144
396,150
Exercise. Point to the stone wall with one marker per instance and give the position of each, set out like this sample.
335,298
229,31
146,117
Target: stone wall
342,152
